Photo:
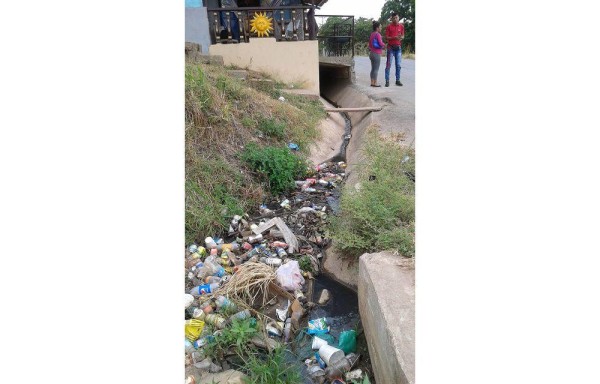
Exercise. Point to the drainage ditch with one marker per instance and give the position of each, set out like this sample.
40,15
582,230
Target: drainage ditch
304,215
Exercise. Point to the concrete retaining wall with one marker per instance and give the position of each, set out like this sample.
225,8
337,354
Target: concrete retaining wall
289,62
386,302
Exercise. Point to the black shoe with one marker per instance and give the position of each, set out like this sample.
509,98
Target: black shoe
387,83
398,83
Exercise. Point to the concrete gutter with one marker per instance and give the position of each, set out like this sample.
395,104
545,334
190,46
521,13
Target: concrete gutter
386,302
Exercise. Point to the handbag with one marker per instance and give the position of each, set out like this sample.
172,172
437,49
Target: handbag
376,43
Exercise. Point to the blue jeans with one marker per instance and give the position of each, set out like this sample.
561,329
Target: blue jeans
234,28
397,54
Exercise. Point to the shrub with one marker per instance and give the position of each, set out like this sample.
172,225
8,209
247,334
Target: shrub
278,165
236,336
380,214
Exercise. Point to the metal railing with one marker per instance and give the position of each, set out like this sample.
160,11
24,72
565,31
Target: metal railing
288,23
336,35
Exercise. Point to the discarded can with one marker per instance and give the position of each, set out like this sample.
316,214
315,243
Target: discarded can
255,239
281,252
198,314
206,308
322,167
271,261
203,341
216,320
317,374
228,247
279,244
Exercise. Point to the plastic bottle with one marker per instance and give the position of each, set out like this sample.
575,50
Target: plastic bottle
245,314
210,242
338,369
189,347
212,268
224,303
203,289
212,280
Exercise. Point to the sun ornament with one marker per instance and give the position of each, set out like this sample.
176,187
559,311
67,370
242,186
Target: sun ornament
261,24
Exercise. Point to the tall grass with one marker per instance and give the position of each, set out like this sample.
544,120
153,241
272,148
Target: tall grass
380,215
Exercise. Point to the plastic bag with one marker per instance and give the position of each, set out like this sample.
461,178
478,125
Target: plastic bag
347,341
289,276
317,327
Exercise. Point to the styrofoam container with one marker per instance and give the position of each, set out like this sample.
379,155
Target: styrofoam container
330,354
318,343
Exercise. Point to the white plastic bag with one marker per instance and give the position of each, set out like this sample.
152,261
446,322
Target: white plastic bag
289,276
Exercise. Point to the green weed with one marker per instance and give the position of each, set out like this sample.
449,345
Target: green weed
272,127
380,215
278,165
305,264
236,336
272,369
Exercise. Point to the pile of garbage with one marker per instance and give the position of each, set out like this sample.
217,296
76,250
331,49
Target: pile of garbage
263,274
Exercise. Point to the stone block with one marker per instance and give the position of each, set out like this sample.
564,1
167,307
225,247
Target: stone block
229,376
239,73
386,302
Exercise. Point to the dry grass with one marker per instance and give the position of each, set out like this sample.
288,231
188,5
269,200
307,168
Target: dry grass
250,284
222,115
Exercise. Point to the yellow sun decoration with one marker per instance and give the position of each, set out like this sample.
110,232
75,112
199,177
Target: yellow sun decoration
261,24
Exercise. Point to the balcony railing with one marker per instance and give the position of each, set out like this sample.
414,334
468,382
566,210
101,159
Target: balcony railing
336,35
288,23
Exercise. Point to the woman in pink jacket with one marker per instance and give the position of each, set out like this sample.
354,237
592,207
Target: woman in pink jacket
376,47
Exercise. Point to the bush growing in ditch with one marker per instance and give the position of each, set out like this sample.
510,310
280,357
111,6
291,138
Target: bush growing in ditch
379,215
236,336
279,165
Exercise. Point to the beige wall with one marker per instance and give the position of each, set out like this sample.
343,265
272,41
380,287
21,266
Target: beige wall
286,61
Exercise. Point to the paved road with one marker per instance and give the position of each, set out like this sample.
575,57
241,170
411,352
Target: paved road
399,115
